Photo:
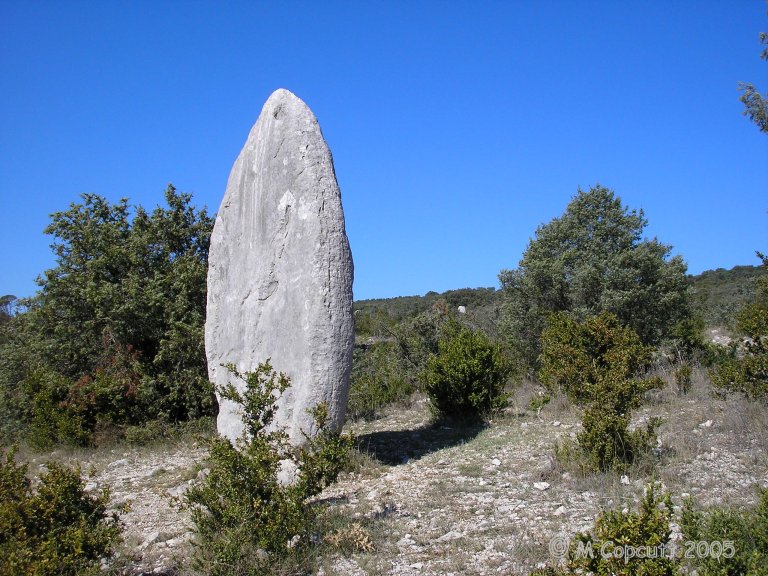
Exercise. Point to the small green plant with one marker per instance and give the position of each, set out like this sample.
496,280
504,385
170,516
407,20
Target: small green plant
595,362
539,400
465,379
683,378
54,528
617,531
624,542
248,521
744,532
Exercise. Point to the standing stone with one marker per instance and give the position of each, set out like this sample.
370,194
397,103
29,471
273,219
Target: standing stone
280,271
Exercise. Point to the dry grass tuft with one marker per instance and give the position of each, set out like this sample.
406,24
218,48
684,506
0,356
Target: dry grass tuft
352,538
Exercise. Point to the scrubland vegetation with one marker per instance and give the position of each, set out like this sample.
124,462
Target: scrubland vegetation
595,318
595,323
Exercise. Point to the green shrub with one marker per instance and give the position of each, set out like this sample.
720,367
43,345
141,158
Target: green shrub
602,551
647,528
48,420
55,528
378,378
747,371
746,530
683,378
247,521
595,362
465,379
577,355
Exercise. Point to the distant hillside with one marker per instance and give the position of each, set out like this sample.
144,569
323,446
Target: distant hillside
406,306
371,315
720,293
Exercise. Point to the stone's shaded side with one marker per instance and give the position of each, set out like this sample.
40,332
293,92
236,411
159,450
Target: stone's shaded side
280,270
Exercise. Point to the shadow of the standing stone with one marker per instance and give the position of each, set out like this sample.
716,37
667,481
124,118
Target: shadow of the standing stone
393,447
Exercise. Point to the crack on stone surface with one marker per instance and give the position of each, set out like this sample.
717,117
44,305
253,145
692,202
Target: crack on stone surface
279,146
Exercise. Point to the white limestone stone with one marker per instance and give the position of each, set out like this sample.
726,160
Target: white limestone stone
280,270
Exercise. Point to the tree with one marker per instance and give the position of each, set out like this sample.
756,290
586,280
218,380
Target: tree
592,260
7,304
756,105
120,317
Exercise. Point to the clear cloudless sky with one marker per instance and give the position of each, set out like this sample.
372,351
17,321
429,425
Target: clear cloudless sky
457,127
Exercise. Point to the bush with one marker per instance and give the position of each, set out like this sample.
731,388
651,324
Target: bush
747,371
55,529
378,379
595,363
747,530
465,379
649,527
248,522
600,551
683,378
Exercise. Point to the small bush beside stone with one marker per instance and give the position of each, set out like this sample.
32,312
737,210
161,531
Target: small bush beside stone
252,512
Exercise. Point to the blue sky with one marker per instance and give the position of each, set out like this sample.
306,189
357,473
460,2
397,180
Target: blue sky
456,127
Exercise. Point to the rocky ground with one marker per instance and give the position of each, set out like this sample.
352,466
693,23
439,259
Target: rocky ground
437,500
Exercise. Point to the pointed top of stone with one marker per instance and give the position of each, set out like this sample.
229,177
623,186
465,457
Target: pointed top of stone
283,93
282,102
